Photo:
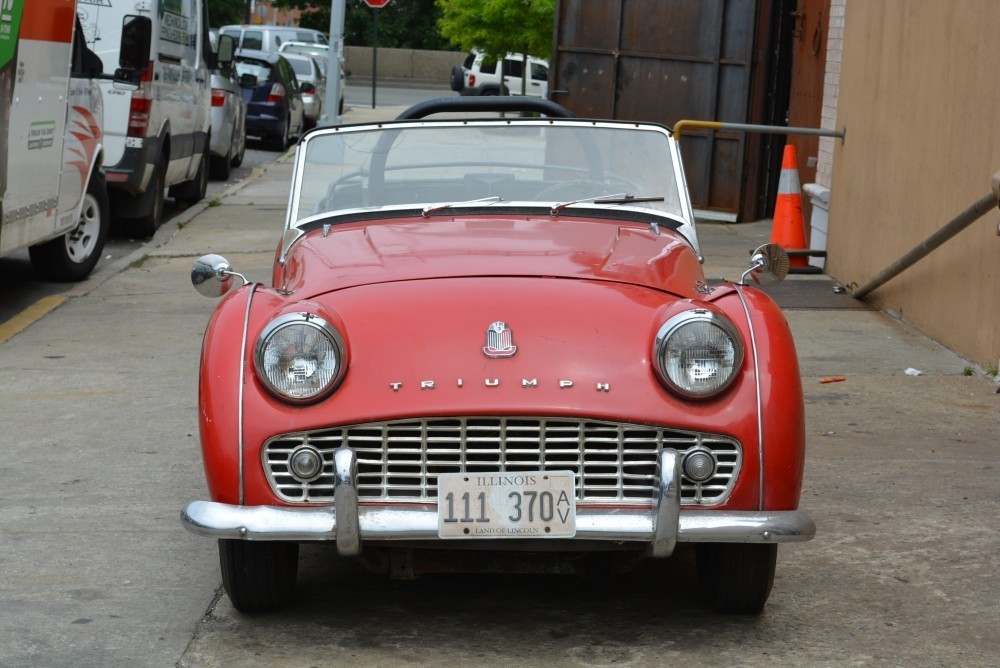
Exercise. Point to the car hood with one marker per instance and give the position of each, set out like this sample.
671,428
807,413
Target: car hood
355,254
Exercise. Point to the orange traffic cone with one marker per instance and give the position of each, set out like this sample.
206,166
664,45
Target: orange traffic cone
788,230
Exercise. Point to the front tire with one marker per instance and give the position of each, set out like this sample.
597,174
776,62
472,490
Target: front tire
280,142
258,576
737,577
146,224
74,255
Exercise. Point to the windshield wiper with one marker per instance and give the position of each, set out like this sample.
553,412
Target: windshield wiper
428,210
619,198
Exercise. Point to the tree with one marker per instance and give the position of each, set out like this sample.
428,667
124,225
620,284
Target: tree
402,24
499,27
226,12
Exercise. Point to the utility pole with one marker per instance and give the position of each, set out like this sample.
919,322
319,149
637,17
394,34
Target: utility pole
331,107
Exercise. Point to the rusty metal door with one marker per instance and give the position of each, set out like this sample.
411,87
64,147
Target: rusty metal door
805,107
662,61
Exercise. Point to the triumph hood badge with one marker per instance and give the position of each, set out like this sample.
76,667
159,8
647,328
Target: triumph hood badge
499,341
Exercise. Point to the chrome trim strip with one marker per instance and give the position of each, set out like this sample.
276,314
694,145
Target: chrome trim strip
220,520
345,496
668,504
760,407
243,373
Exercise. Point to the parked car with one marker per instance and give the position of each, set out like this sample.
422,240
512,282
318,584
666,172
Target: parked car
479,76
307,71
275,111
488,339
322,53
229,114
270,38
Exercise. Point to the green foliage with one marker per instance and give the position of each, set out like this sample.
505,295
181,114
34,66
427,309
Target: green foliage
402,24
226,12
498,27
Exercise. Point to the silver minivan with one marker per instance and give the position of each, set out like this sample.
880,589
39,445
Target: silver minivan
270,38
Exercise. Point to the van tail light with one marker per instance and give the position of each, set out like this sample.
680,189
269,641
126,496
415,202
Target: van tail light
142,102
218,97
277,93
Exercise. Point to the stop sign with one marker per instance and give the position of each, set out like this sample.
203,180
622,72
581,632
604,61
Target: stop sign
377,4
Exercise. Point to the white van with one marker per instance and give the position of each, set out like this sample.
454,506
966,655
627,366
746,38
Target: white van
158,135
270,38
52,195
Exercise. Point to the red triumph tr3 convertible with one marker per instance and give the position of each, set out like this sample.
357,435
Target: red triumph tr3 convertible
493,337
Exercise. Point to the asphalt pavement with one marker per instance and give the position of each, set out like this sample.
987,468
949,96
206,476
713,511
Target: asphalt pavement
98,405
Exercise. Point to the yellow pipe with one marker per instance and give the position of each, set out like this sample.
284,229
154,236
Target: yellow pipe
680,126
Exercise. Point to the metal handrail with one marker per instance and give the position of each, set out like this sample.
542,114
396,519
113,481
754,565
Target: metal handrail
682,125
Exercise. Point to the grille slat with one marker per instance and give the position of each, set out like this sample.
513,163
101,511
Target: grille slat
400,460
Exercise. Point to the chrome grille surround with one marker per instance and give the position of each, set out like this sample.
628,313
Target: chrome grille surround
399,460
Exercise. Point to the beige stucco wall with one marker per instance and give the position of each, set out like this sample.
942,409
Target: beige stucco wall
920,99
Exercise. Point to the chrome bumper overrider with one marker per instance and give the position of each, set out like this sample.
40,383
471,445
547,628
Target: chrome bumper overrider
349,524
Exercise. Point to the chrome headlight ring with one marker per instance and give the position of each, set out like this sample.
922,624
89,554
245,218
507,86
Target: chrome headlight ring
300,358
697,353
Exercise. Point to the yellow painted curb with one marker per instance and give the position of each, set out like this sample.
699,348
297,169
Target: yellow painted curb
33,313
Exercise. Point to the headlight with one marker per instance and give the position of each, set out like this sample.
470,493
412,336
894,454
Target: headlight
300,357
697,353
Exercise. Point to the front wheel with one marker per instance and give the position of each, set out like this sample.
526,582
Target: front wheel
74,255
737,577
258,576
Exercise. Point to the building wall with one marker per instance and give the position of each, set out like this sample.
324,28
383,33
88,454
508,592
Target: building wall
920,103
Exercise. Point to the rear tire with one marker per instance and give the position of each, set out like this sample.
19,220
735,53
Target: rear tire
238,158
737,577
192,192
258,576
74,255
280,142
146,224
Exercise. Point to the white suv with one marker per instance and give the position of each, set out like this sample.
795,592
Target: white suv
474,77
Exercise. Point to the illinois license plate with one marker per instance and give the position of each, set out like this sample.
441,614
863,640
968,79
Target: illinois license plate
538,504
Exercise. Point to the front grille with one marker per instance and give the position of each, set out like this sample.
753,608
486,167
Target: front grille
400,460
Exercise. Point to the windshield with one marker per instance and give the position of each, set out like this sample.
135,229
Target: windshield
562,166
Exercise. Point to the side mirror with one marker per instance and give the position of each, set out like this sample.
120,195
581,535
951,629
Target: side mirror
212,276
133,54
768,266
227,47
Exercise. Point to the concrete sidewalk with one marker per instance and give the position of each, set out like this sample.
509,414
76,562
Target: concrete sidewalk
99,411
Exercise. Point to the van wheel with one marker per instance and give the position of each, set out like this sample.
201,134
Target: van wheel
146,224
192,192
258,576
74,255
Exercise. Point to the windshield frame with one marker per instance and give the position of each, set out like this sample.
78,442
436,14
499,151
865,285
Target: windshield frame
684,223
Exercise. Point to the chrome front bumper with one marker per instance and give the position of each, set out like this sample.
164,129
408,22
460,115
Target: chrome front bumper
349,523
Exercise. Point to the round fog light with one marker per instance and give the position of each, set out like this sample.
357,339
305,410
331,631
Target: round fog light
699,465
306,463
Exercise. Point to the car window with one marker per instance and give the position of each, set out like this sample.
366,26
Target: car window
252,39
257,68
488,69
469,59
302,66
513,68
539,72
